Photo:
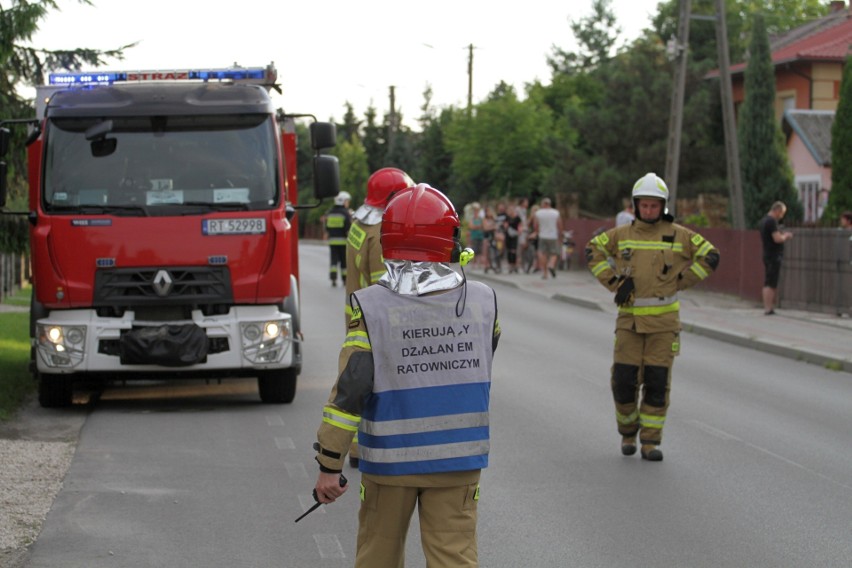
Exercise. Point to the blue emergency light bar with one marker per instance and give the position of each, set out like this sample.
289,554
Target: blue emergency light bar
264,75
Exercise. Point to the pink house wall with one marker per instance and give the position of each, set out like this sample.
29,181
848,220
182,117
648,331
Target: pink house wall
803,162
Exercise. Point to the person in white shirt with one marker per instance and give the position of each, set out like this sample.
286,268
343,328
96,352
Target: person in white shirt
548,225
625,216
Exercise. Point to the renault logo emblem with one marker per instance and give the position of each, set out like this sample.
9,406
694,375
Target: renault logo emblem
162,283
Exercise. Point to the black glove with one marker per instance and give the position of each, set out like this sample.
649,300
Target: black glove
624,293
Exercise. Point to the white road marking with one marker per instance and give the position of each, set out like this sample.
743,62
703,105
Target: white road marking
329,546
726,436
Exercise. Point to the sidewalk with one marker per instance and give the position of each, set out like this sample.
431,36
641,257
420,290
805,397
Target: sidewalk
821,339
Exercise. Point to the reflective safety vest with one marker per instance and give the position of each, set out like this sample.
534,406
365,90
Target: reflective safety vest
337,223
428,412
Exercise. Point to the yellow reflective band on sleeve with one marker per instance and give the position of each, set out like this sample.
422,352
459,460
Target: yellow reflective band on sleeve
599,268
340,419
676,347
649,310
348,309
650,421
476,493
699,270
649,245
362,492
358,339
375,276
704,249
356,237
697,239
602,239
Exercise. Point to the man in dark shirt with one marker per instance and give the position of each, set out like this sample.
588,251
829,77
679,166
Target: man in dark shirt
773,239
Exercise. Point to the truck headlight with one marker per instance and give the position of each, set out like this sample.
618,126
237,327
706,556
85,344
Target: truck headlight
61,346
266,342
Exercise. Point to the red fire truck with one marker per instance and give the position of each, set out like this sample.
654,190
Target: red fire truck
163,229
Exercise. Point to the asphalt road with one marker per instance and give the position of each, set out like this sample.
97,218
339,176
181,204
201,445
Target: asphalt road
757,469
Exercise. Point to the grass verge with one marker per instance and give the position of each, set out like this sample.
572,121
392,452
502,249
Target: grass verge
15,379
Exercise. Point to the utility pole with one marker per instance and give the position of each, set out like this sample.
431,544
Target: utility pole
732,151
469,78
392,117
681,53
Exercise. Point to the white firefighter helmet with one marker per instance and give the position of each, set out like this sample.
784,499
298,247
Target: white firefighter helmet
342,198
650,185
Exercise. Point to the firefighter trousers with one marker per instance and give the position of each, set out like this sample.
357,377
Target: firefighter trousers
642,365
447,525
337,257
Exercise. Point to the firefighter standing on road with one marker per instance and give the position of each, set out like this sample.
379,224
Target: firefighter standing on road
646,263
415,377
363,244
337,222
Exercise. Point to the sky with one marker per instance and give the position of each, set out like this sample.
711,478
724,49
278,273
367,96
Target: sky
331,52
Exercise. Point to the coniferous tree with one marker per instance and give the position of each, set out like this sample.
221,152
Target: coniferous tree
766,173
840,199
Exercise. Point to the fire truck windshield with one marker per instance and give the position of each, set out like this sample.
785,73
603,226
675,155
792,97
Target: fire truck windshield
164,165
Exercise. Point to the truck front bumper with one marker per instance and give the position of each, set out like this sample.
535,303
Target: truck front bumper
246,338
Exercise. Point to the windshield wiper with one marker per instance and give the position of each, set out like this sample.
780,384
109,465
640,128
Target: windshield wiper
226,206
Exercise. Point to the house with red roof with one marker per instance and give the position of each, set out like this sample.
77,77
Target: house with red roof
808,63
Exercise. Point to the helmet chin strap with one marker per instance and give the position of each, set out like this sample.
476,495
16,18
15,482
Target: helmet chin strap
464,258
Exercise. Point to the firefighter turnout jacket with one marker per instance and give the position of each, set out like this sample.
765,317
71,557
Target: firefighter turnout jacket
363,259
337,223
419,400
662,258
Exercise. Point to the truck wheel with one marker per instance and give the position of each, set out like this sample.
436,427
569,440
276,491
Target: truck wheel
54,391
278,386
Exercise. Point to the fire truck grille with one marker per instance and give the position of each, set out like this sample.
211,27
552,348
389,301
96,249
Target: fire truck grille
195,285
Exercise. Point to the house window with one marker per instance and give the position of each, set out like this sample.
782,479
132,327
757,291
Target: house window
810,197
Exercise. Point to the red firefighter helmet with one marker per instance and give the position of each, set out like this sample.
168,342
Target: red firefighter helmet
421,224
383,183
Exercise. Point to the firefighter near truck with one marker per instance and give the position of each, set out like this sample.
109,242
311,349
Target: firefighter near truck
163,228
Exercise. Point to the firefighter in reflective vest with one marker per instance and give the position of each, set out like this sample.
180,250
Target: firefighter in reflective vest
363,246
414,380
646,263
337,223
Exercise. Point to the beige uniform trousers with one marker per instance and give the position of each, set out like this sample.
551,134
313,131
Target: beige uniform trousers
447,524
641,350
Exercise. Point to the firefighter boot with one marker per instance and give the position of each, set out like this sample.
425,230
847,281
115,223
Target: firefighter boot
628,445
652,453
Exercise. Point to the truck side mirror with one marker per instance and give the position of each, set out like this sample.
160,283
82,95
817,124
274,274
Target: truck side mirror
5,136
326,176
323,135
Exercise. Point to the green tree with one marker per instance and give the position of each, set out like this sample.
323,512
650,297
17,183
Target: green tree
353,169
351,125
780,16
503,149
596,35
766,172
373,138
24,66
840,198
434,159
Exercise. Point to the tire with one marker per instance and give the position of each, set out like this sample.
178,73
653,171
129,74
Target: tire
278,386
54,391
